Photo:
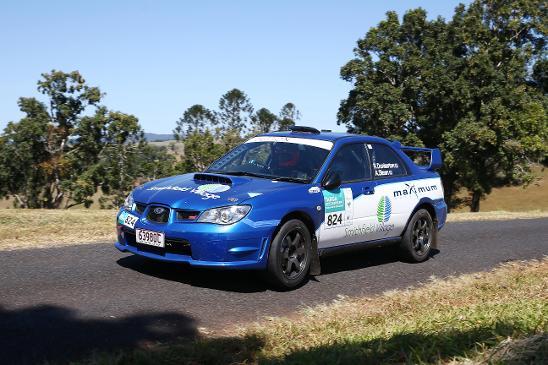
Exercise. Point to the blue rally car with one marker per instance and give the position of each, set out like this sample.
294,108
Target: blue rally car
280,200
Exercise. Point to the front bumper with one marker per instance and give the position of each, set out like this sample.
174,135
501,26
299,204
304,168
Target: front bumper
243,245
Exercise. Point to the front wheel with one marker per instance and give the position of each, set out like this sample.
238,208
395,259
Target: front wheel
290,255
418,238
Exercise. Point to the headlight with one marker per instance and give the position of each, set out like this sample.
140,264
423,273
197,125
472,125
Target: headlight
225,215
128,203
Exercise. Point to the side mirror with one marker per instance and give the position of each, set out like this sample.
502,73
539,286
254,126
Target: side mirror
332,181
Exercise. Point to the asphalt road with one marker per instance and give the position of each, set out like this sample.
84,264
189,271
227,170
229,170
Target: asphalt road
61,303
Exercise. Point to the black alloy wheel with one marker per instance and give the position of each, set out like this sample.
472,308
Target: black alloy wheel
290,255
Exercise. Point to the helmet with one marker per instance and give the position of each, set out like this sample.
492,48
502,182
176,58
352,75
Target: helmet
286,154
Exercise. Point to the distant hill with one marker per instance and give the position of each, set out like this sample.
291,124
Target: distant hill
156,137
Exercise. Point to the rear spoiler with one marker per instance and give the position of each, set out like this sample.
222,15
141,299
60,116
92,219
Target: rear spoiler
435,155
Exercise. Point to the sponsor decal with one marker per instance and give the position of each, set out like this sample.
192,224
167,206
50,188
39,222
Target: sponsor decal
384,209
214,188
314,190
339,207
411,189
366,229
204,194
326,145
384,212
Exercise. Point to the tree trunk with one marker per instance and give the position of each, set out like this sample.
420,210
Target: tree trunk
475,203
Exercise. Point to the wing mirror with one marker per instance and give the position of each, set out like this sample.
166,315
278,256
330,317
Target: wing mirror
332,181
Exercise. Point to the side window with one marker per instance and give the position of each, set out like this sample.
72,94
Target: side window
351,163
385,161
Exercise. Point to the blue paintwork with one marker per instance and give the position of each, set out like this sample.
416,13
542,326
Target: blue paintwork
245,244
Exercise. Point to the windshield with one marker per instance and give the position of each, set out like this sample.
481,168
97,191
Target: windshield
274,159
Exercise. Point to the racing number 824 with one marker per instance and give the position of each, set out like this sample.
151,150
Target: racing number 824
334,219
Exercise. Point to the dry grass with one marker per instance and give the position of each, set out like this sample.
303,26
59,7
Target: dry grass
37,228
518,198
489,317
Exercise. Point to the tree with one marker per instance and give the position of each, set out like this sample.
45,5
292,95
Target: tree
288,116
463,85
60,156
201,149
207,134
41,140
264,120
23,156
235,111
197,118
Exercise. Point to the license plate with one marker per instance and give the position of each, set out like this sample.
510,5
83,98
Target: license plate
127,219
149,237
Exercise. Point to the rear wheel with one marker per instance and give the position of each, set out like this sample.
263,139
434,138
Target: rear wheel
290,255
418,238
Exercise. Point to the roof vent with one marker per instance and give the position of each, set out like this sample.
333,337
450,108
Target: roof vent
210,178
303,129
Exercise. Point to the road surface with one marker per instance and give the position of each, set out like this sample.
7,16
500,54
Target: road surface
60,303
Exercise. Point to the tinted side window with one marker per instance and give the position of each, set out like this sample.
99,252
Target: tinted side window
351,163
385,162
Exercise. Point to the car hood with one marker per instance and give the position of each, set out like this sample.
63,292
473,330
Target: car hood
203,191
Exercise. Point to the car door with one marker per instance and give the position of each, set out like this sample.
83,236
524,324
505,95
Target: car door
343,206
391,176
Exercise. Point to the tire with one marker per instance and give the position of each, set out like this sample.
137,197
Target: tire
419,237
290,255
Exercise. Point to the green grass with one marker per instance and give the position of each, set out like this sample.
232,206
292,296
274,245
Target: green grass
494,317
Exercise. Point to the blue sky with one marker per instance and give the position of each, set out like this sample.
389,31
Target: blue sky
154,59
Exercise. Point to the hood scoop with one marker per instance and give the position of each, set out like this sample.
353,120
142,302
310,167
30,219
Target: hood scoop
210,178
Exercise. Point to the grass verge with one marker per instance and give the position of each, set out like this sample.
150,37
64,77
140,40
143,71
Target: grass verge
39,228
42,228
499,316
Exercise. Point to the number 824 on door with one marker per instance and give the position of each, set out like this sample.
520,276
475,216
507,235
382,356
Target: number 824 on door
334,219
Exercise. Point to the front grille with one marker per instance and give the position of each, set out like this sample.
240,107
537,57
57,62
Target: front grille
158,214
187,215
140,208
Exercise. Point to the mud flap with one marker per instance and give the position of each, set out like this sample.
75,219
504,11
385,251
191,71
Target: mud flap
315,266
435,235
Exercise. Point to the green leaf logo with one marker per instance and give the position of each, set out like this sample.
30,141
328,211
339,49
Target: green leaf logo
384,209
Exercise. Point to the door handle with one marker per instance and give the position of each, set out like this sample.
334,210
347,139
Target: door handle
368,190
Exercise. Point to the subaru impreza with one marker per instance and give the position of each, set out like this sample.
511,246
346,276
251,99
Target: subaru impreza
279,201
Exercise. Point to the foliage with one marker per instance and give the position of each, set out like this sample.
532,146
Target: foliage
201,150
59,156
235,111
207,134
288,116
196,119
475,86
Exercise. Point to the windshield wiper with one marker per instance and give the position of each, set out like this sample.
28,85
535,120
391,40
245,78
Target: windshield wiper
290,179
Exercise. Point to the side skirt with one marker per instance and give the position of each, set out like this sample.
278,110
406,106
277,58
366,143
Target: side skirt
328,251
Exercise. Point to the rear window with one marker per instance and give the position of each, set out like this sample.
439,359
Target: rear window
385,161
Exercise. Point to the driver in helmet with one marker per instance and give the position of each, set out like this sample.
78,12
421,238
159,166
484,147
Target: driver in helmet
285,158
